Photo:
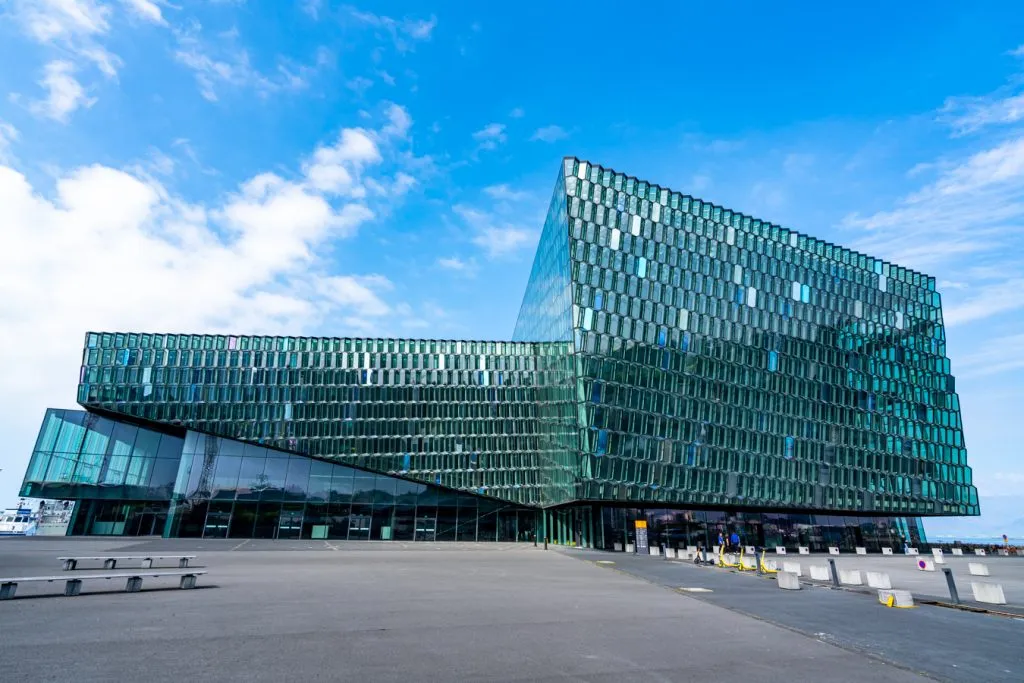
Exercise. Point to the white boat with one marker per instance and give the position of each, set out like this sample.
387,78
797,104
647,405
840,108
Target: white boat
19,521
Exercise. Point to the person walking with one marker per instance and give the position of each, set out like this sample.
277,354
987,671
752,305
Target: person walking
721,539
734,541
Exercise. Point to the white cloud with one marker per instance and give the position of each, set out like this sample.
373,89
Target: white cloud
255,260
504,192
51,20
146,10
549,134
335,168
491,135
464,267
64,94
974,208
386,77
517,113
399,121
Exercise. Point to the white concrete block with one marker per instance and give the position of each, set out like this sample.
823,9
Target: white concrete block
850,577
820,573
780,550
862,551
912,551
1004,552
792,568
618,547
937,556
898,598
925,565
878,580
653,550
750,550
692,548
729,558
771,565
804,550
748,562
887,551
979,552
832,550
788,581
977,569
670,552
630,548
958,551
715,549
992,593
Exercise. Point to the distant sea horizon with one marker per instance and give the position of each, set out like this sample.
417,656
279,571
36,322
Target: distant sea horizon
980,540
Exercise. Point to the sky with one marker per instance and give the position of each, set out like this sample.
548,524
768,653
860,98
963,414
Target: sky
326,168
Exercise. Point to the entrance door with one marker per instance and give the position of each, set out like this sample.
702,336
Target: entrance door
426,527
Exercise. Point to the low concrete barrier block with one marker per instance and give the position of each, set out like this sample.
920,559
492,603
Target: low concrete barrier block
788,580
670,552
958,551
979,552
991,593
771,565
804,550
618,547
792,568
748,562
820,573
850,577
1004,552
862,551
654,551
911,551
977,569
878,580
937,557
895,598
780,550
887,551
926,565
630,548
749,549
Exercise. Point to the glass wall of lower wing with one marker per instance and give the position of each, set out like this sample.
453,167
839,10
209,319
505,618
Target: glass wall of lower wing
677,528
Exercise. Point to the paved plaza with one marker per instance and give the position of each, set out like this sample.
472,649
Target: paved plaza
290,610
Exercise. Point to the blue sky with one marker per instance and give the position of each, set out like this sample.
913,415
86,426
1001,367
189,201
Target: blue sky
345,169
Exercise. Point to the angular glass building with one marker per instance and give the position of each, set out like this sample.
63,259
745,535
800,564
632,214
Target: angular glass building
673,362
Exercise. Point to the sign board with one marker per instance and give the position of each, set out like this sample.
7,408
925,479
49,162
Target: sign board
641,537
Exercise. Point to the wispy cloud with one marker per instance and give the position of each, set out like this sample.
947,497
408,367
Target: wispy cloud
404,33
220,62
549,134
490,136
8,134
994,356
504,192
64,94
517,113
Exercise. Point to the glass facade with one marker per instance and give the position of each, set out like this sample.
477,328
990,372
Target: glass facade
669,354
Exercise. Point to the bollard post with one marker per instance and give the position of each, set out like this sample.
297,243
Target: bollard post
757,559
953,595
535,540
545,543
835,574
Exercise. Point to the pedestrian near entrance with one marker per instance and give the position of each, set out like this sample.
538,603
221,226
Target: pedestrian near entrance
721,539
734,541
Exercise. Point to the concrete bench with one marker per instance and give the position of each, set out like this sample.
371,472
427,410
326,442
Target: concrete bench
73,586
110,561
896,598
991,593
977,569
